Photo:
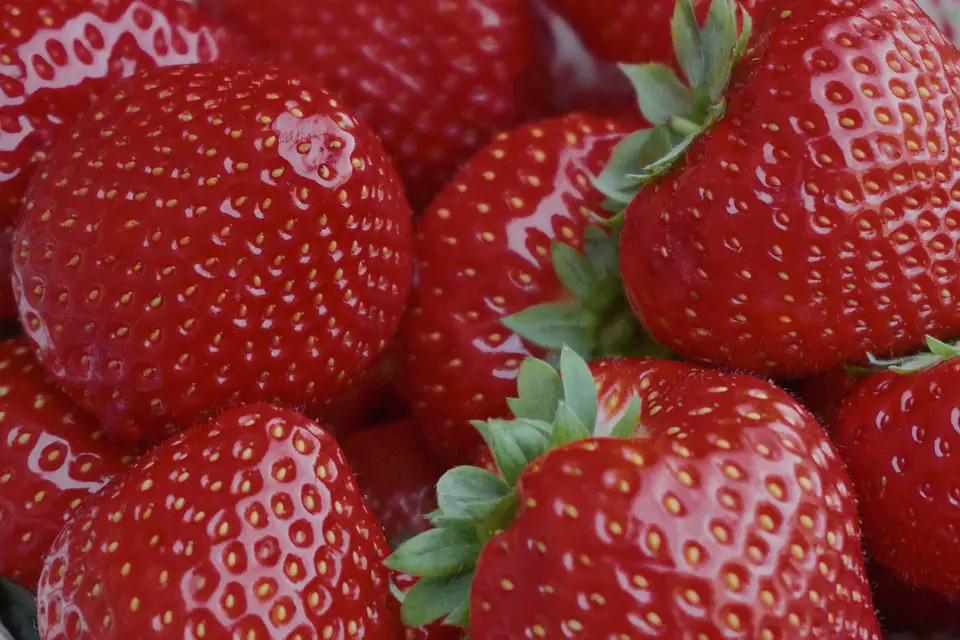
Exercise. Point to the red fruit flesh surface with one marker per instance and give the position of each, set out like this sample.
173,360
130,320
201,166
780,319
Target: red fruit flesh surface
212,236
56,57
435,79
897,434
247,526
735,518
904,607
817,221
630,31
368,398
53,455
397,474
824,394
483,251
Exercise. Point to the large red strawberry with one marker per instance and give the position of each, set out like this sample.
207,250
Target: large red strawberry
210,236
727,514
804,215
486,249
250,526
52,456
435,79
57,56
898,432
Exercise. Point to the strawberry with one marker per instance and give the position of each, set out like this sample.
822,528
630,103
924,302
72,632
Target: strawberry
800,216
897,432
396,474
249,526
52,456
490,246
211,235
629,31
56,56
727,514
436,79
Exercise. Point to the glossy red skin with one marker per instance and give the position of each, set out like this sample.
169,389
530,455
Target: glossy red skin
483,251
897,434
53,455
244,276
904,607
397,474
57,56
435,79
260,487
778,251
824,394
629,31
673,534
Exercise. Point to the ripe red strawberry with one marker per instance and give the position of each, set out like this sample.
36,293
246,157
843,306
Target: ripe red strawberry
397,475
629,31
728,514
56,56
52,456
805,219
486,249
897,432
435,79
250,526
211,236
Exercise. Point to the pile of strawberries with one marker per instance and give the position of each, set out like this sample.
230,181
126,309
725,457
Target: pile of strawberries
499,319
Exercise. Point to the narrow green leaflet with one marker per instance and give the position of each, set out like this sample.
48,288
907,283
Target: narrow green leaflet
613,181
602,250
573,269
470,491
436,553
433,598
686,38
660,93
554,325
942,349
720,39
579,387
627,425
538,390
459,617
567,427
514,444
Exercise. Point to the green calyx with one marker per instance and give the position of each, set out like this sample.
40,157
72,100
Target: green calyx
551,409
679,110
595,319
937,352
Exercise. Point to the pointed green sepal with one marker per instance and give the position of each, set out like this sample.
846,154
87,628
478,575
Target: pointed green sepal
554,325
628,426
937,352
574,270
434,598
436,553
470,492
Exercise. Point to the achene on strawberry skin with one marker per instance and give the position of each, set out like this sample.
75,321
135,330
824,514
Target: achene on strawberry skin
209,236
249,526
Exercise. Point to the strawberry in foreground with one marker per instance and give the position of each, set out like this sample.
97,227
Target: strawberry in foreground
645,497
435,79
801,217
53,455
211,236
58,55
250,526
898,432
507,234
